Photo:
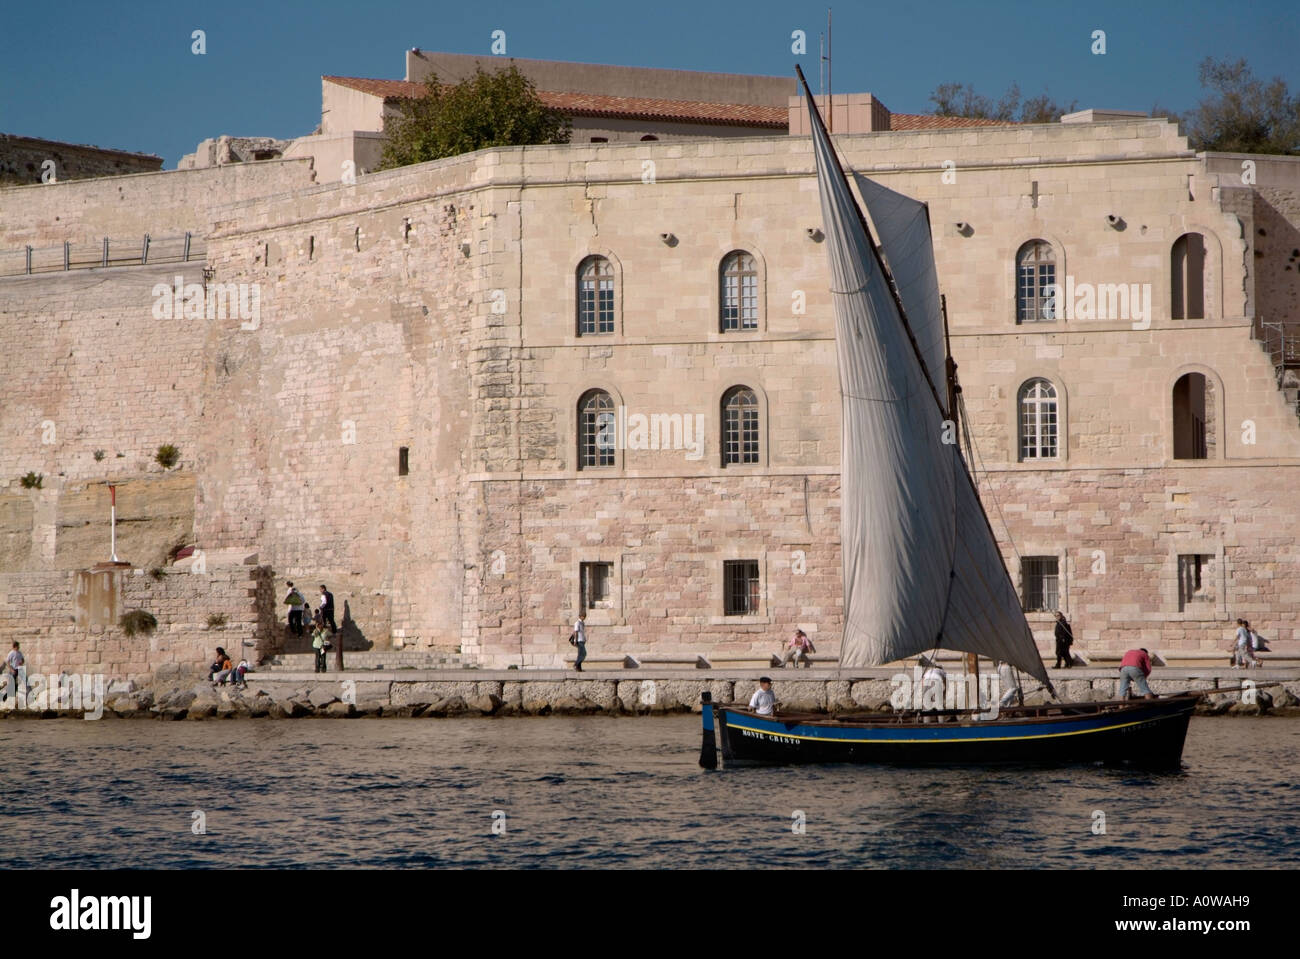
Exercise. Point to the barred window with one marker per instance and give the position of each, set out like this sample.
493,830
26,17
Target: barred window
1038,420
1039,577
595,296
595,430
596,579
1036,283
739,426
739,292
741,587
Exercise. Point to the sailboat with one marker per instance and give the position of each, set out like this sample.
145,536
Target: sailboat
922,569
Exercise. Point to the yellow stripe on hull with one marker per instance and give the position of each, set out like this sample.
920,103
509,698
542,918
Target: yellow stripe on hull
963,739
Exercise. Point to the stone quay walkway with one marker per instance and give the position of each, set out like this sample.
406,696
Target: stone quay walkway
650,690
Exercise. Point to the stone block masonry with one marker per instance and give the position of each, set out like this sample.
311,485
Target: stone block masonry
403,422
39,610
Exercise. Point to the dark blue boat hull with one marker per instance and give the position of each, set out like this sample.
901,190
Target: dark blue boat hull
1148,733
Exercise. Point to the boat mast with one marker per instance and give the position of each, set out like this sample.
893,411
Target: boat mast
950,373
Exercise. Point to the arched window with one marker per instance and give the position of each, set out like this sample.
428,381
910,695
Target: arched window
596,426
649,136
1038,423
1036,283
739,276
1193,401
595,296
1187,278
739,426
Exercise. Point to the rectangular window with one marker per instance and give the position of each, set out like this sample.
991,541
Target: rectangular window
1039,579
597,580
1195,579
741,587
403,460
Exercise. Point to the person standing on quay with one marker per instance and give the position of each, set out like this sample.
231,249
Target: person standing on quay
1134,669
1064,640
319,641
14,670
1242,653
327,608
579,638
294,600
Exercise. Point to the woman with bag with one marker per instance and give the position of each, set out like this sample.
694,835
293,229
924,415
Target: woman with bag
320,641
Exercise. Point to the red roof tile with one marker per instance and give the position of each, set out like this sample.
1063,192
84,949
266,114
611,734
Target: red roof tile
649,108
598,105
928,121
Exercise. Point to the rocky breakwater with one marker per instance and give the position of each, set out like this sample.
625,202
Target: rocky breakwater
362,695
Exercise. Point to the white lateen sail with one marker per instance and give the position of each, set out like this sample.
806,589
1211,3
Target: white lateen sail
921,565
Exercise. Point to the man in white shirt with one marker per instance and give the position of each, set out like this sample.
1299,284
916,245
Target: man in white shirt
763,701
580,639
1244,655
13,670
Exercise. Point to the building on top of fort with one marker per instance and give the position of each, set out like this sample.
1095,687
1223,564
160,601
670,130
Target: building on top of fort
482,393
605,104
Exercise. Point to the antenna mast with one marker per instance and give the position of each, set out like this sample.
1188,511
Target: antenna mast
830,96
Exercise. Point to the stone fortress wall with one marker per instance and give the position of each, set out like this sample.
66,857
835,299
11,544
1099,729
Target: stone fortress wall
33,160
431,309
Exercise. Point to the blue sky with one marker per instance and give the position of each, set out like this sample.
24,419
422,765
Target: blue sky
119,73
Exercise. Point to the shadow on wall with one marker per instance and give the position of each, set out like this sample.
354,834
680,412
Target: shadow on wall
350,637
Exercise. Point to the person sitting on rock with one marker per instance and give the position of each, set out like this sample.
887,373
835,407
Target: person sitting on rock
216,663
221,675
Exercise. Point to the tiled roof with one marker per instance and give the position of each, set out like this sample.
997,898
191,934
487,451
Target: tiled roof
650,108
928,121
388,89
597,105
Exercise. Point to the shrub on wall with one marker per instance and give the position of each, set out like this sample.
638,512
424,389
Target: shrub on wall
32,480
216,620
138,621
167,456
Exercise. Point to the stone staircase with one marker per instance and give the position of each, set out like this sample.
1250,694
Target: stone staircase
368,659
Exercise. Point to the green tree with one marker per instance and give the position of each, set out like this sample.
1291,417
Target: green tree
485,110
1243,114
961,100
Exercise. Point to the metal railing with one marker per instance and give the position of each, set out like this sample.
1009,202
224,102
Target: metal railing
99,254
1282,343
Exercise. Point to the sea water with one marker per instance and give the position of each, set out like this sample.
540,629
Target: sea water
598,791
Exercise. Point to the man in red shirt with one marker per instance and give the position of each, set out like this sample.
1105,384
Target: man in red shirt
1134,669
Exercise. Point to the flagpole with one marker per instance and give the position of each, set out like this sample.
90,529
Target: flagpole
112,492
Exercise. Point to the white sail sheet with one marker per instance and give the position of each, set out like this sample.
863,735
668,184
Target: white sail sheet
903,228
921,566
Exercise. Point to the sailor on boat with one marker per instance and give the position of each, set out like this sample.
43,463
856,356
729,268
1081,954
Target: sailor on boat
1012,694
763,701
